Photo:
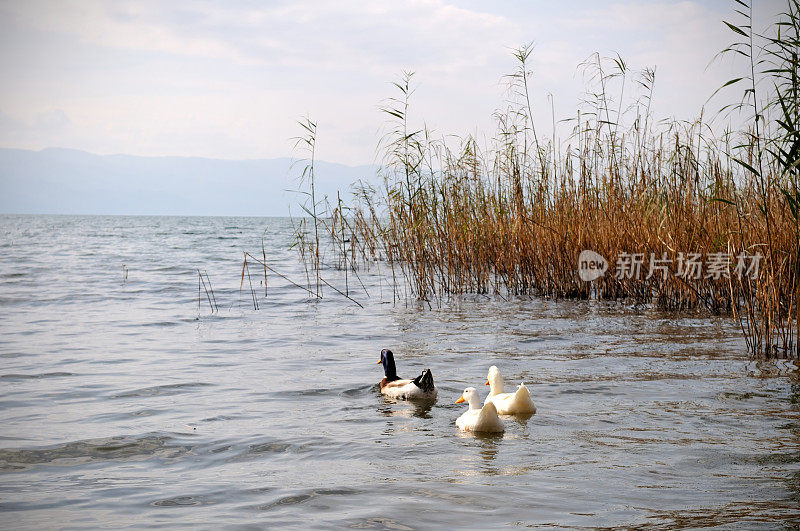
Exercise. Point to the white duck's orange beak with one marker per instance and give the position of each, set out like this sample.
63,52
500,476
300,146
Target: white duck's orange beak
487,382
460,400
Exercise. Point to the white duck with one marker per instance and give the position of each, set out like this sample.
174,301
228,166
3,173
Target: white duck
478,418
420,388
517,403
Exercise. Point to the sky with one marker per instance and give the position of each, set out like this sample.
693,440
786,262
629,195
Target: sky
230,79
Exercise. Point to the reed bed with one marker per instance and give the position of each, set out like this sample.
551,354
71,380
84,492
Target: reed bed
687,219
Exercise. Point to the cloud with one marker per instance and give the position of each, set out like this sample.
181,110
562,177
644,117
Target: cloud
52,121
48,128
230,79
124,25
328,35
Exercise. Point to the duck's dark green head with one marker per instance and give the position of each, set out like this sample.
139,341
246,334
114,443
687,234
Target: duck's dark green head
387,360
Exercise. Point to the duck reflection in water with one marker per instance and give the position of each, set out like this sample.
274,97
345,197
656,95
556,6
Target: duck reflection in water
519,418
487,448
406,409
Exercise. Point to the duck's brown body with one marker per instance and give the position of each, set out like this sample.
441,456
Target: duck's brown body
395,382
392,386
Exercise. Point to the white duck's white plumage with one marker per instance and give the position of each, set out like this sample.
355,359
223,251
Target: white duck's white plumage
516,403
477,418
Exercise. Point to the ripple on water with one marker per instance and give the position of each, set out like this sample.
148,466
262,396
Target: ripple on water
184,501
314,448
35,376
162,390
301,497
120,448
644,419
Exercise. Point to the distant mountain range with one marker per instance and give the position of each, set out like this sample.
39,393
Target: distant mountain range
66,181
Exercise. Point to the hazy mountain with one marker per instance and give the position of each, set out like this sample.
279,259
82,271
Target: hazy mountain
65,181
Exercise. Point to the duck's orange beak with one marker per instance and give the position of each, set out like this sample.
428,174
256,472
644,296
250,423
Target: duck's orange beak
378,362
460,400
487,382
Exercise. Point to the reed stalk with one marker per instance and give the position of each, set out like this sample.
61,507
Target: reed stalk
694,211
202,279
688,219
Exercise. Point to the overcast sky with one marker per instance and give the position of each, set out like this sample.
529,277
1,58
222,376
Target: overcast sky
229,79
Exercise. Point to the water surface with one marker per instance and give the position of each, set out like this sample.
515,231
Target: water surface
125,403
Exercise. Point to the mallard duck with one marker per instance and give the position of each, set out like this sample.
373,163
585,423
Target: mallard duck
420,388
478,418
517,403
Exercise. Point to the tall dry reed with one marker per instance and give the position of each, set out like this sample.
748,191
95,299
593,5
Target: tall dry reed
687,219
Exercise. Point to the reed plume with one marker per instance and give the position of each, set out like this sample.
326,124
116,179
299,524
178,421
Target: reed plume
688,219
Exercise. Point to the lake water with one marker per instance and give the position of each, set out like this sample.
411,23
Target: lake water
123,403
